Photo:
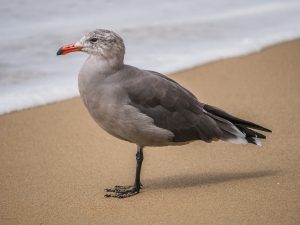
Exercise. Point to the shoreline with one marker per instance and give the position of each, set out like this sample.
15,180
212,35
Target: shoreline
55,161
180,71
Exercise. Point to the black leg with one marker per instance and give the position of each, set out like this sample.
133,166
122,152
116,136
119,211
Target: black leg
139,161
127,191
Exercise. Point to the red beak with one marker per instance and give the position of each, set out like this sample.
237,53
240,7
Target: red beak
67,49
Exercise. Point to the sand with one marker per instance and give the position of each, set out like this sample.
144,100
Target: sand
55,161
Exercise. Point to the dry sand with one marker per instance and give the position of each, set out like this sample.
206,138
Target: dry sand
55,162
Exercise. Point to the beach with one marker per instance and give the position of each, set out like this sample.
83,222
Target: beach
174,36
55,161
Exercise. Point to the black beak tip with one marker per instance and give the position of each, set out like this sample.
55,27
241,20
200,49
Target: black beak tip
59,52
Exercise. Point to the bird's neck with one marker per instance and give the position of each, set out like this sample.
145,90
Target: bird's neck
107,65
95,70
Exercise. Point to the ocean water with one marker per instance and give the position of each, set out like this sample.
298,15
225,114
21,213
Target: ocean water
165,36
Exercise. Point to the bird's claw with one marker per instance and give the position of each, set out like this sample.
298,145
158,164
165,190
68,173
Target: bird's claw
122,191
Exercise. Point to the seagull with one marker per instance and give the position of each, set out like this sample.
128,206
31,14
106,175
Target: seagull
145,107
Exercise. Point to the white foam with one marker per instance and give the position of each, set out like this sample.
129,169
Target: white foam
160,35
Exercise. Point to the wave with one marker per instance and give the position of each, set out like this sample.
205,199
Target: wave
166,36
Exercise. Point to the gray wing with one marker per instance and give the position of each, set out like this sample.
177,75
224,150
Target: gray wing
171,106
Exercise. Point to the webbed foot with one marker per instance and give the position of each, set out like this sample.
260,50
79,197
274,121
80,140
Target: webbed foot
122,191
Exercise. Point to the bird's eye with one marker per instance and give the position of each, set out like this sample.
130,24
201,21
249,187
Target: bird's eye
93,40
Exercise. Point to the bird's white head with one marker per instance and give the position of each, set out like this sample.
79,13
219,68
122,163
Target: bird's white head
104,43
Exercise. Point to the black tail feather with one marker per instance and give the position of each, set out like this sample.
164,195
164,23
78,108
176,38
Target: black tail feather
250,133
236,121
244,126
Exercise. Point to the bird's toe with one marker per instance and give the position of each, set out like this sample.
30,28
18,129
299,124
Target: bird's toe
121,191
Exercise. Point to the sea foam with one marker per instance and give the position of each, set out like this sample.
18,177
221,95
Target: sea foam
165,36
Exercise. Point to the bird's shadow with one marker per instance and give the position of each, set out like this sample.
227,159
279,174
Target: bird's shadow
191,180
